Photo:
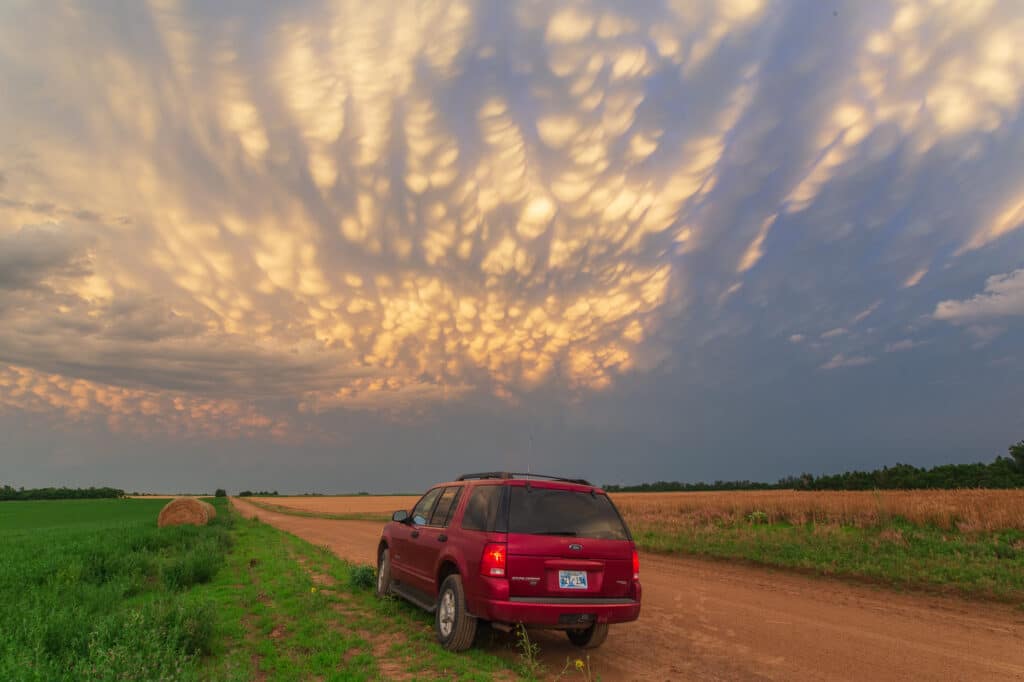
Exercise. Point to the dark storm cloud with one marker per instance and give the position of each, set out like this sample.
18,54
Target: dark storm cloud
34,252
147,319
157,350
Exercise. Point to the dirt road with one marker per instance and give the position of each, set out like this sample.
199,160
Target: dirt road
706,620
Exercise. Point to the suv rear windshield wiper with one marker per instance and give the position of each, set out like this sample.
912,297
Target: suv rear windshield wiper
570,533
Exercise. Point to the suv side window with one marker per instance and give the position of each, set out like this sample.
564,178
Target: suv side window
445,506
486,509
421,512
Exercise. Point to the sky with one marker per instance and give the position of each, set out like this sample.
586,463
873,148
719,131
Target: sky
342,246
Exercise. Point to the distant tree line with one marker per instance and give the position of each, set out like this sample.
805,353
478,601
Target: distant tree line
10,493
1004,472
259,493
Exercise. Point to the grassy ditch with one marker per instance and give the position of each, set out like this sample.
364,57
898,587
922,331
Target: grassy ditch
92,589
289,610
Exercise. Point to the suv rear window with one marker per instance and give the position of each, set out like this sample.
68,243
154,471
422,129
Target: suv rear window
549,511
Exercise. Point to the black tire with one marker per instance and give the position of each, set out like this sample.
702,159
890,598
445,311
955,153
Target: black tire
384,574
454,625
591,638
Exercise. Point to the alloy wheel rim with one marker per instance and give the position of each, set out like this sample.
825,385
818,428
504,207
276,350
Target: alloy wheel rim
447,613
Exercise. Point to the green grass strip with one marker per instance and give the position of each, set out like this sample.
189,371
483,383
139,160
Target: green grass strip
288,610
898,554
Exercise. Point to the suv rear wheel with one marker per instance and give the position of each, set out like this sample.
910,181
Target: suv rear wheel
454,625
591,638
384,573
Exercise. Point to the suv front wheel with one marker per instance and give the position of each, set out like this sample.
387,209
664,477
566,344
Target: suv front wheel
455,626
591,638
384,573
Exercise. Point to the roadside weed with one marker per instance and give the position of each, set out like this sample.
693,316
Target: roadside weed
529,666
362,577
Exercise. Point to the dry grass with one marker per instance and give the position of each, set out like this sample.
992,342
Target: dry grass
350,504
964,510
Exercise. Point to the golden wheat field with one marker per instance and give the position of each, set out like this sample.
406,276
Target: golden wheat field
350,504
965,510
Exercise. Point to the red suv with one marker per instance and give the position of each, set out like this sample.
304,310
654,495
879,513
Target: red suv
513,548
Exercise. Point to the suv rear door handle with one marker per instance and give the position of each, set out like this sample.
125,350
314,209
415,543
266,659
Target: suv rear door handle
442,538
415,533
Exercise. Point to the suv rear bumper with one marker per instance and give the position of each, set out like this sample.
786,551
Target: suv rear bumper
559,612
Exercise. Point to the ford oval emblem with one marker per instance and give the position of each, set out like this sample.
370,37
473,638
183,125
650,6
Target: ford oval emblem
576,547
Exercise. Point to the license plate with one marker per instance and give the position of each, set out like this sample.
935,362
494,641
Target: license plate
572,580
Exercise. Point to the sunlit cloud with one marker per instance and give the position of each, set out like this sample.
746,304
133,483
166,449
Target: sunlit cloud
1003,297
901,345
842,360
270,217
755,251
862,315
1007,220
915,278
135,411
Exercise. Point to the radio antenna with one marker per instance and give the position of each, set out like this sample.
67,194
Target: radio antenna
529,457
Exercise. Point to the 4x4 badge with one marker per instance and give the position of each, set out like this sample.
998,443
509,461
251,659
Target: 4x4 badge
576,547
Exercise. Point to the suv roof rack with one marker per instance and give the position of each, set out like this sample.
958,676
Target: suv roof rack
508,474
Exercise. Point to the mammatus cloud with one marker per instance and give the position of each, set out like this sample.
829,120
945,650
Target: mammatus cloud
251,220
1003,297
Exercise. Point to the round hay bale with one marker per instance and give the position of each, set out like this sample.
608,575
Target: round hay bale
181,511
211,511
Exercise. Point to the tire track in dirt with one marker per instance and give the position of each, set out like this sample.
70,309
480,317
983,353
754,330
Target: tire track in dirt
711,620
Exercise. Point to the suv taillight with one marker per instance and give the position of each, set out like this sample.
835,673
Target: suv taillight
636,565
492,563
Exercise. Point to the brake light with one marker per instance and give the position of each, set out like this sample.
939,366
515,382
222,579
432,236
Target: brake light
492,563
636,565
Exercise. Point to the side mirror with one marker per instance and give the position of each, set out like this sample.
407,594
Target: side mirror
401,516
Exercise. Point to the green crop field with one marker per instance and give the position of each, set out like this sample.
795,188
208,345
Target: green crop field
79,515
92,589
